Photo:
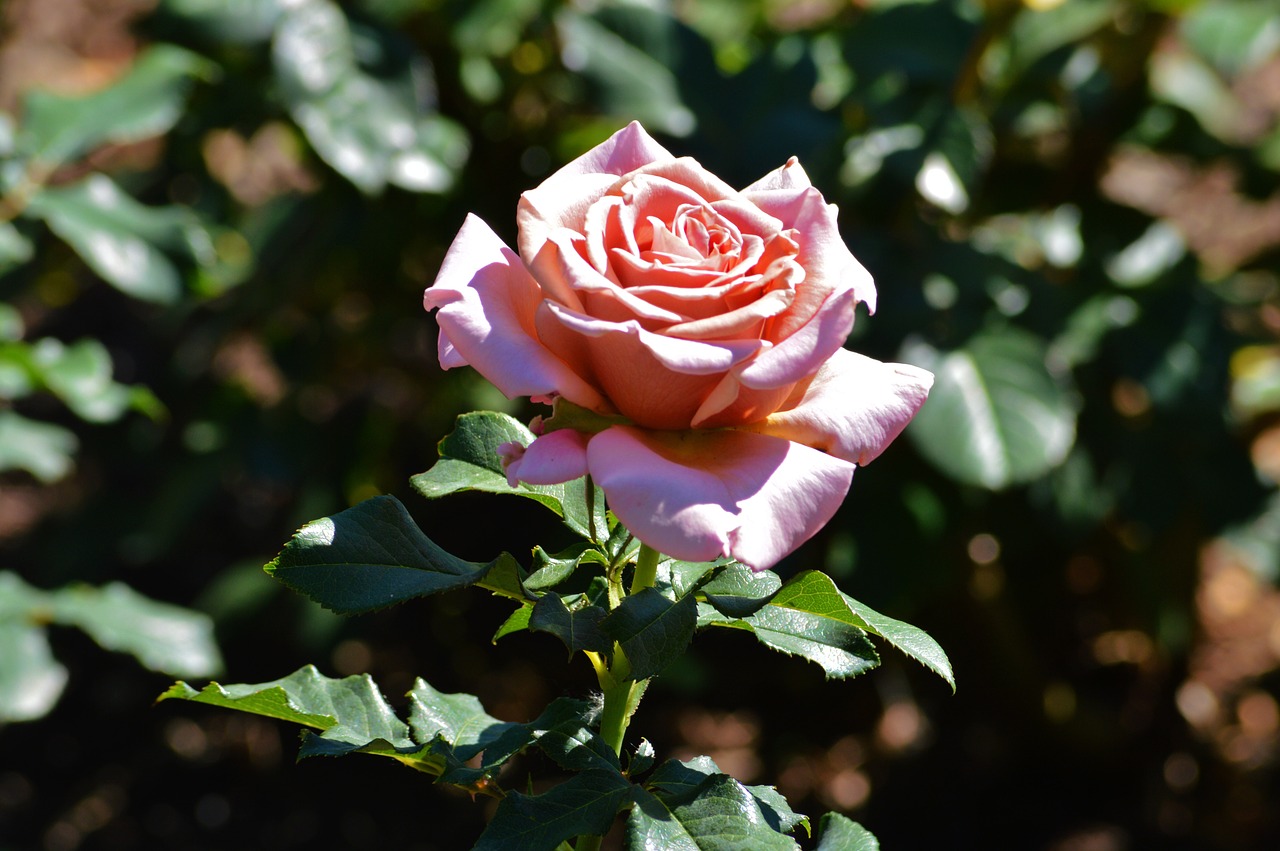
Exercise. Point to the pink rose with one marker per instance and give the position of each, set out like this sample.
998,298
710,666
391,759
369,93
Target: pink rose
709,322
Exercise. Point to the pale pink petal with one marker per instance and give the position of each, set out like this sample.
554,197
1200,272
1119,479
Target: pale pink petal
698,495
854,407
686,171
559,456
807,348
790,175
487,302
823,254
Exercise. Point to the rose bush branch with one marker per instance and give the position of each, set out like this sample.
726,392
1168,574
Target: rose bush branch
705,422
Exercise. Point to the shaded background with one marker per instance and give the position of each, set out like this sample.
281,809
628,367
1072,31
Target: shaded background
1072,216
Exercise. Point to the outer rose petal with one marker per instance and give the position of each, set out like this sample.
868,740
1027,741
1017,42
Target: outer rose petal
698,495
853,408
487,304
560,456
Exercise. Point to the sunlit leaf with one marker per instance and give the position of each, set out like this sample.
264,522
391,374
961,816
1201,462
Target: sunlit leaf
127,243
146,102
161,636
351,713
457,719
370,556
31,680
995,416
738,591
579,628
716,814
838,833
42,449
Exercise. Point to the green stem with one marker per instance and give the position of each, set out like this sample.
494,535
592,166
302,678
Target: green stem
622,694
646,568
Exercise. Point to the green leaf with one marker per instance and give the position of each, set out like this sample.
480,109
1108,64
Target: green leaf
911,640
42,449
996,416
31,680
684,576
579,628
370,556
125,242
643,759
161,636
457,719
738,591
351,713
370,130
469,461
585,804
228,21
652,630
15,249
630,80
562,732
777,811
519,620
551,570
146,102
719,814
808,617
837,833
80,375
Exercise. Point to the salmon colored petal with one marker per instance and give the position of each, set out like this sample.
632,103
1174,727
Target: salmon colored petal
790,175
854,407
563,198
700,495
823,254
487,302
803,352
559,456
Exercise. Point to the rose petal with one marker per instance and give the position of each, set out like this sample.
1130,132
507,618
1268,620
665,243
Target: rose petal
790,175
487,302
853,408
562,200
826,259
801,353
559,456
655,381
698,495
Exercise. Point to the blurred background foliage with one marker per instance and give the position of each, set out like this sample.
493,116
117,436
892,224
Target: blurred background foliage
216,221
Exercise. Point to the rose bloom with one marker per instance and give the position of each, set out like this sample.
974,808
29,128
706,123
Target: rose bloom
705,323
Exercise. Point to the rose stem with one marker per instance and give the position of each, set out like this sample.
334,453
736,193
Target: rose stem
621,693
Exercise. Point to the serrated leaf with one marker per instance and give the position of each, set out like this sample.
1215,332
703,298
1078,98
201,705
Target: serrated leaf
550,570
351,713
995,416
370,556
161,636
146,102
585,804
31,680
642,760
777,811
123,241
579,628
563,733
456,719
911,640
469,461
517,621
838,833
684,576
42,449
842,650
678,779
651,825
719,814
652,630
738,591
